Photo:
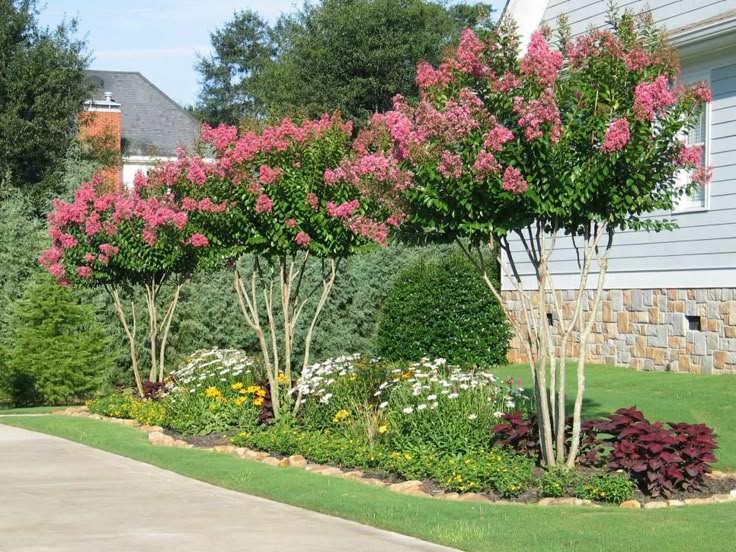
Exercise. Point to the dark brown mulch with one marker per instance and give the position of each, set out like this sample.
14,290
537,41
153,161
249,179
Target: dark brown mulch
204,441
712,486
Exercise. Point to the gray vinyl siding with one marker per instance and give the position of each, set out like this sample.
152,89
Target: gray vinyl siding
706,239
672,14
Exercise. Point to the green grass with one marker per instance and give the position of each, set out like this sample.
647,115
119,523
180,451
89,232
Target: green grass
467,526
29,410
666,396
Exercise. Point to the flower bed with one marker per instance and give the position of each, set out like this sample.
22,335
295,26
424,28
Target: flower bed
454,431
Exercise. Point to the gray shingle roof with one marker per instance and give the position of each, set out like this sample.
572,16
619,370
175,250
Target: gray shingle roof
152,123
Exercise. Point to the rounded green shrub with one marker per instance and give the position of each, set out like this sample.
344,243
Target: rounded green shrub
442,308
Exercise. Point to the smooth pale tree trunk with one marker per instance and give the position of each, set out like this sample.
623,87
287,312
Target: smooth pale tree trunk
158,344
547,351
277,355
130,331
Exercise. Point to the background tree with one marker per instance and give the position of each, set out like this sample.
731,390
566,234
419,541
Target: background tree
351,55
242,48
581,141
55,351
42,86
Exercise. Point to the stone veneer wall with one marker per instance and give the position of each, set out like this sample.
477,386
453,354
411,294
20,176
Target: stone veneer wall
647,329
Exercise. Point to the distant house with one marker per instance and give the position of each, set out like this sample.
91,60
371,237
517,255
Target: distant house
671,297
145,123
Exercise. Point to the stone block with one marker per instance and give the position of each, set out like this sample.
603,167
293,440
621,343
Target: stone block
707,365
617,300
675,503
699,343
297,460
691,308
701,295
655,504
473,497
271,461
647,364
729,331
696,501
630,504
719,360
405,485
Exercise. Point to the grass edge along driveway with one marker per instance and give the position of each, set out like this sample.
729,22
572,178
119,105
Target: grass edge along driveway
467,526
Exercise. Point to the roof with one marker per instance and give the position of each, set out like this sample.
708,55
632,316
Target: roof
152,123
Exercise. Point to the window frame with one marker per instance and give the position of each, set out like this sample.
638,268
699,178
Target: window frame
685,205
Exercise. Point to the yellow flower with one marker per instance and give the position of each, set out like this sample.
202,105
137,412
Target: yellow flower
340,415
282,378
258,401
408,456
383,428
240,400
212,392
253,389
261,392
237,386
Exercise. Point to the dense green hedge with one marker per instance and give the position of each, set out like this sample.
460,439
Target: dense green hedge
442,308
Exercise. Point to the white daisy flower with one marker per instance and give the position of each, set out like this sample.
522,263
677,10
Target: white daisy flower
383,405
422,407
408,410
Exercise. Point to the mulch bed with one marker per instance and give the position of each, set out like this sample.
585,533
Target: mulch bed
713,485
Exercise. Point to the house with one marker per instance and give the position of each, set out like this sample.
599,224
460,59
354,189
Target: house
144,123
670,298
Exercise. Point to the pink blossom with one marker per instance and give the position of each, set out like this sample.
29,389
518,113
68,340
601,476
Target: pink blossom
140,180
264,204
109,249
67,241
92,225
104,202
374,231
343,210
451,165
180,220
468,53
534,113
90,257
541,62
513,181
485,163
255,187
149,237
291,223
495,138
428,76
196,172
637,59
702,92
221,136
690,155
110,227
268,175
50,256
302,238
702,175
651,98
617,136
312,200
57,269
199,240
84,271
333,176
103,258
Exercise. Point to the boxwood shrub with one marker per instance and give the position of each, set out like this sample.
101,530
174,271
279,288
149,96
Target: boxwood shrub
441,308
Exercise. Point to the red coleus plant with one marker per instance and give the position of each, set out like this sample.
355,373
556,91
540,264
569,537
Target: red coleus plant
660,459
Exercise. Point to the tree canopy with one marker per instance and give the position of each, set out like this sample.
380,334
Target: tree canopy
42,86
351,55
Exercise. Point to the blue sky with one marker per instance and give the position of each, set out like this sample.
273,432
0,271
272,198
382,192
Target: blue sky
159,38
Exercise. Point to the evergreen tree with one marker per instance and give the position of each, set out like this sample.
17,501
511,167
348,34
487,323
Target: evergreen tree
55,352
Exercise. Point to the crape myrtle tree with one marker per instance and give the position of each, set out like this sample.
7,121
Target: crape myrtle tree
286,208
577,141
132,238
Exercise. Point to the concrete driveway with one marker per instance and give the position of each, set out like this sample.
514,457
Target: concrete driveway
56,495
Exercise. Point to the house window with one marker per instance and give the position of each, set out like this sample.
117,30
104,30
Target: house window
699,135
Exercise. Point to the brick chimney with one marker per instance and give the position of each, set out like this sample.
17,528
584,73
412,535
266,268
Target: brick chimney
99,126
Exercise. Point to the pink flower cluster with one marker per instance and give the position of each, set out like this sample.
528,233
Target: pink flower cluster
690,156
540,62
312,200
302,238
268,175
486,163
264,204
371,229
199,240
637,59
593,45
652,98
495,138
534,113
468,53
450,165
428,76
617,136
344,210
513,181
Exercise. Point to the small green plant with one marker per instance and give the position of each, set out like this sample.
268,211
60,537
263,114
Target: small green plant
607,487
116,404
557,482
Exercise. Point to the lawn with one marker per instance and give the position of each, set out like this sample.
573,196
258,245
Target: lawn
31,410
666,396
467,526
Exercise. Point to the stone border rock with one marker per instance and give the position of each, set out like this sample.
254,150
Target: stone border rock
157,437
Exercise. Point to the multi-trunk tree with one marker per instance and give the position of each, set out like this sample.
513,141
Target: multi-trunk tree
575,141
